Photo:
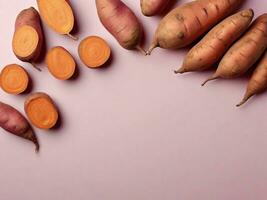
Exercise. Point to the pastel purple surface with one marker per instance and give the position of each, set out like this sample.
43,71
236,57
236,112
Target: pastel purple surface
135,130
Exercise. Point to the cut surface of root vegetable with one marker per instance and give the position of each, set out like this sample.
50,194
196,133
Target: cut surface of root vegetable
28,37
60,63
25,41
41,111
14,79
94,51
58,15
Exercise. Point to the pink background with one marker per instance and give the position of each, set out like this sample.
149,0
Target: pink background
134,130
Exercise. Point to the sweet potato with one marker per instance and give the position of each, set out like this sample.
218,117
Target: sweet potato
58,15
60,63
15,123
244,53
41,110
188,22
14,79
258,81
28,36
153,7
215,44
94,51
121,22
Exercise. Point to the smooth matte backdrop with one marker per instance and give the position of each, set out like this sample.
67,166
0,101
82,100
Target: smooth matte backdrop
134,130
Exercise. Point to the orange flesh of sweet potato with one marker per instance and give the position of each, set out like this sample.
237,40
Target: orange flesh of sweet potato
28,36
94,51
41,110
14,79
58,15
60,63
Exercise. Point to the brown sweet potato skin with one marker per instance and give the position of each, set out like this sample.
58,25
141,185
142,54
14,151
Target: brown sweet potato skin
121,22
186,23
153,7
258,81
31,17
15,123
215,44
246,51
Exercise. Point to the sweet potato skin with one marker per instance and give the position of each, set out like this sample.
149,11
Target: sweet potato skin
246,51
121,22
153,7
186,23
31,17
214,45
11,120
15,123
258,81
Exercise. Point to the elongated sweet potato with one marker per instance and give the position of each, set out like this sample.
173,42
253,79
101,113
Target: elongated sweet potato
258,81
244,53
153,7
121,22
186,23
215,44
15,123
28,37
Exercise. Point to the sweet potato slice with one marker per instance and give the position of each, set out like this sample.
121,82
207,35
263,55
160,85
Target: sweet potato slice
94,51
58,15
41,110
60,63
14,79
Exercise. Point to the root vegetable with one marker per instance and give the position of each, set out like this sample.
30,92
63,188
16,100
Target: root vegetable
186,23
94,51
215,44
153,7
28,37
58,15
15,123
60,63
258,81
14,79
121,22
244,53
41,110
